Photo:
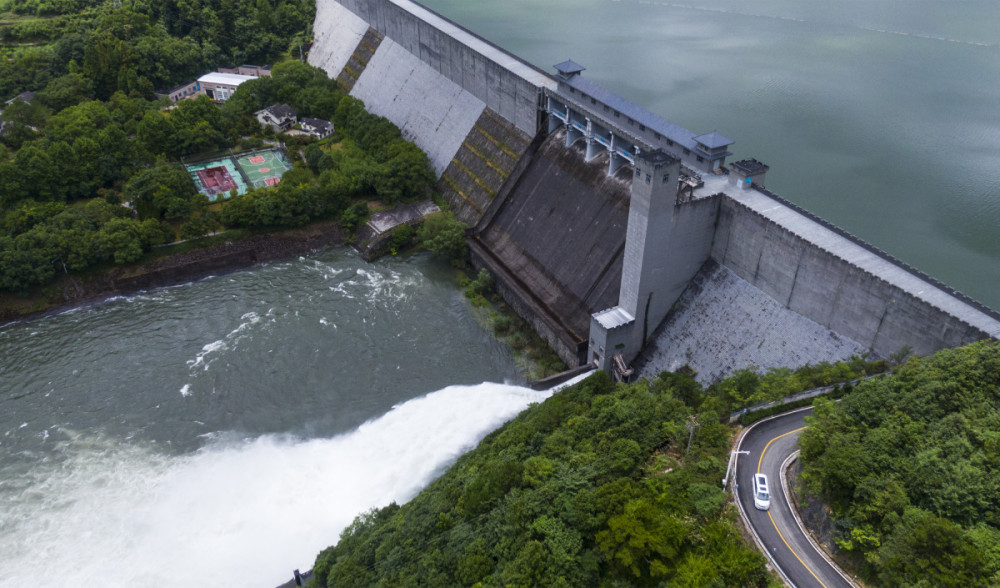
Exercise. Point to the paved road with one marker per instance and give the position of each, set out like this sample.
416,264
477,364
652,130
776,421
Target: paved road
770,443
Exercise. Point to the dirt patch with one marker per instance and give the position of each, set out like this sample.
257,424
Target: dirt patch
190,265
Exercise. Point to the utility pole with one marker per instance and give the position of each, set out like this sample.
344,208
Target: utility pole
691,426
732,458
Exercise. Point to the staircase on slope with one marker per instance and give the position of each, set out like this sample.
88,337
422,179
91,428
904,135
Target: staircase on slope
359,59
482,165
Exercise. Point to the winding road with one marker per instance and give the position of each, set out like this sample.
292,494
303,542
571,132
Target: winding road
770,443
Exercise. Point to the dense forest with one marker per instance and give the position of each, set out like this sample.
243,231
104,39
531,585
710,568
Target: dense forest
910,465
598,485
94,138
602,484
138,46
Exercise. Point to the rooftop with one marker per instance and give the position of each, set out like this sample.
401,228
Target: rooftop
280,110
225,78
569,67
750,166
613,317
316,123
656,123
657,158
713,140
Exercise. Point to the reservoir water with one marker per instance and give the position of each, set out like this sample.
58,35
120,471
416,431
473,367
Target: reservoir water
878,115
226,430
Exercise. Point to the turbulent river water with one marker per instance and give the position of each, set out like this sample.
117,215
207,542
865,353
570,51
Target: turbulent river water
225,431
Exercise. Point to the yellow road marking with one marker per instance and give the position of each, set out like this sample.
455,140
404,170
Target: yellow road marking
759,462
808,569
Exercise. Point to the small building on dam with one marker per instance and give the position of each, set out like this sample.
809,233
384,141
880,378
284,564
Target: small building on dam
624,239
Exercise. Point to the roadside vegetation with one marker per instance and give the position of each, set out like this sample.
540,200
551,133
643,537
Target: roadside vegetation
602,484
910,466
595,486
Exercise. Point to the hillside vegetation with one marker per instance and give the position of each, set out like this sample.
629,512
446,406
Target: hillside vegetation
94,136
595,486
910,465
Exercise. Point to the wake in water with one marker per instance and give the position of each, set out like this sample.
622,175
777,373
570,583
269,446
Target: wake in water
238,513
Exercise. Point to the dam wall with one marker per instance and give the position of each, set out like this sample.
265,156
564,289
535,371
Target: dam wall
556,243
337,32
840,283
687,244
551,213
503,82
429,109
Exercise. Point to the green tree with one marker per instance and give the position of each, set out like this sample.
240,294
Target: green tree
444,235
162,191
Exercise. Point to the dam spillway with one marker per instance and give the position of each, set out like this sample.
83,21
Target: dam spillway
546,227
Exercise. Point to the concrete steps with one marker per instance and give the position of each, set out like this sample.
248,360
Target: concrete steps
483,164
359,59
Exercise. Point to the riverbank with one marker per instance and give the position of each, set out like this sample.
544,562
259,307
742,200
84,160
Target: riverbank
219,254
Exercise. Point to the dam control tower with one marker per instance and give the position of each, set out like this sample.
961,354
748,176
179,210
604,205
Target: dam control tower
666,242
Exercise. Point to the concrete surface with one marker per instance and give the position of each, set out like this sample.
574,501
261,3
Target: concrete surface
336,34
722,323
429,109
504,82
838,282
562,232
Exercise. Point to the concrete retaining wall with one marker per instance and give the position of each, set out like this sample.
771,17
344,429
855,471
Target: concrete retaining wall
430,110
831,290
336,34
490,157
500,80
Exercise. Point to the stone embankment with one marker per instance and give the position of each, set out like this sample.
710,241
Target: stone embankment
190,265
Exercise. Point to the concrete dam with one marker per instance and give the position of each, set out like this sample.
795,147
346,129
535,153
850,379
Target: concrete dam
622,238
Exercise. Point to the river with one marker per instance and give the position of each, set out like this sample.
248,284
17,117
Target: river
225,431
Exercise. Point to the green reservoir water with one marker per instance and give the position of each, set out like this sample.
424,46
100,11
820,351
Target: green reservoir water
225,431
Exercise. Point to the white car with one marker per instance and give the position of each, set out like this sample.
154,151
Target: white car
761,492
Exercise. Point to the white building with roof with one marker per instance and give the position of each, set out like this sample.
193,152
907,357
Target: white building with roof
220,86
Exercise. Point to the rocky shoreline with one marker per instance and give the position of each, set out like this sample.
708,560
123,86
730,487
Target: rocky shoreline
229,255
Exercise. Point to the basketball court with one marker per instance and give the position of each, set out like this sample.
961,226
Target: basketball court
264,168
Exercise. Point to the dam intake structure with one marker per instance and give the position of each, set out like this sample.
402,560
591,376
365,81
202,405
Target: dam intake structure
595,216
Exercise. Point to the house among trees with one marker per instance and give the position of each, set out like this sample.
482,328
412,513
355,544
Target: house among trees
25,97
281,117
218,85
319,128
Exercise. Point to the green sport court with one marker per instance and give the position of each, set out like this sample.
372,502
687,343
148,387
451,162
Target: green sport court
216,178
263,168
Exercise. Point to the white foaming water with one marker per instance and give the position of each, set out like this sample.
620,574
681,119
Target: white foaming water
238,513
250,319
